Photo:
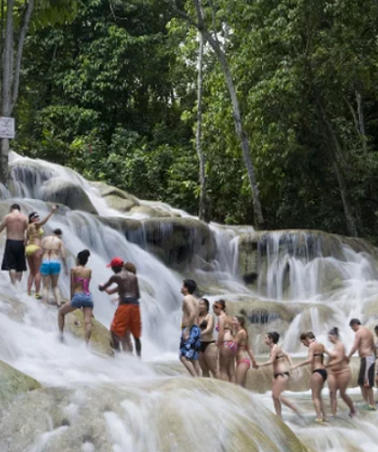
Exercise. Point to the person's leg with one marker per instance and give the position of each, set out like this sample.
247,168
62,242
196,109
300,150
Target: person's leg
61,314
87,324
13,276
343,380
332,386
241,374
231,369
203,365
115,342
317,383
37,258
31,274
197,367
46,288
55,288
278,386
223,362
370,396
212,359
188,365
136,328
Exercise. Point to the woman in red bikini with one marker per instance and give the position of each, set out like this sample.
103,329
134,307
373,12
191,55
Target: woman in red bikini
315,358
280,374
226,342
244,355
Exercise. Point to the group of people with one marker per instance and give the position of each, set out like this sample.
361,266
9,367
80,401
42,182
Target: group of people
45,255
229,357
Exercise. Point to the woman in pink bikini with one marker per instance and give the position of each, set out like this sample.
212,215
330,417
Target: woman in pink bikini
244,355
280,373
81,298
226,342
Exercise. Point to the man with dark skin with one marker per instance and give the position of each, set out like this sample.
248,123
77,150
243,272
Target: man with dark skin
127,315
16,225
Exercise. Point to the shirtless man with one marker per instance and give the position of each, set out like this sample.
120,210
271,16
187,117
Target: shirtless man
127,315
364,343
190,343
53,251
16,225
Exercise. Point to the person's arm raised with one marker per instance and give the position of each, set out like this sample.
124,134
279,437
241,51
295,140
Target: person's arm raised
46,219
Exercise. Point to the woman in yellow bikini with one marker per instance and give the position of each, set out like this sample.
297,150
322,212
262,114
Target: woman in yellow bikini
33,250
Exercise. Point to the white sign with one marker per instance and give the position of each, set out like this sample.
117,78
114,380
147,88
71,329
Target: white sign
7,127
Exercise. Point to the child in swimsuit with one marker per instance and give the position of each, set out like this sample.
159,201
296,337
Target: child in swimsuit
81,297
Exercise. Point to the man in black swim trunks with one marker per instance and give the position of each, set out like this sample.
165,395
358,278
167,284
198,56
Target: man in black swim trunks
16,225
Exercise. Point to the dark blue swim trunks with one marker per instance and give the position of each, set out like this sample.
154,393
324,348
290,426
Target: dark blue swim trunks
191,347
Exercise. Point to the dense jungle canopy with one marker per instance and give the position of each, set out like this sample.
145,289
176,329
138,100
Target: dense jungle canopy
112,93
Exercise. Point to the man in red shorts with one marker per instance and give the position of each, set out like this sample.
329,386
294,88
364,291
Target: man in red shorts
127,315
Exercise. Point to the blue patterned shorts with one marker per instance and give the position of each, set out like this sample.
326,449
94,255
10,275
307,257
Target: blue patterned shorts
191,347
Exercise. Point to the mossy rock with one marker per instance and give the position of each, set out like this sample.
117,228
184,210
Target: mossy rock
13,383
60,190
100,338
116,198
145,211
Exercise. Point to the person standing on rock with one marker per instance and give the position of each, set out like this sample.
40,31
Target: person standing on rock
190,343
53,253
81,297
364,343
127,315
319,374
33,250
16,225
208,356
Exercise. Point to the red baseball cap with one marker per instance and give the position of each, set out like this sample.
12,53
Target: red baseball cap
116,262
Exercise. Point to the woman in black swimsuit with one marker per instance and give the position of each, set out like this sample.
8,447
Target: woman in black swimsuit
280,374
208,356
319,373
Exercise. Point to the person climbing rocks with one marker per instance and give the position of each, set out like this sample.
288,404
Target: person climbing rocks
53,253
127,316
81,297
190,344
15,223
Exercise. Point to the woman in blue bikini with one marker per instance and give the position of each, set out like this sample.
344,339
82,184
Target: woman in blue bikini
81,298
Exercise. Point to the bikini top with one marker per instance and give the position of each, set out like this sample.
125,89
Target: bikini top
280,356
39,233
225,329
319,354
85,282
203,324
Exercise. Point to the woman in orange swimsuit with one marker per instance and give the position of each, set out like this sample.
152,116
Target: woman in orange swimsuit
244,355
319,372
226,342
280,373
339,373
81,297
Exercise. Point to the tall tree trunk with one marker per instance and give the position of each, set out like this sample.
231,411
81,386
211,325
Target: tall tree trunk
361,120
6,88
215,45
202,210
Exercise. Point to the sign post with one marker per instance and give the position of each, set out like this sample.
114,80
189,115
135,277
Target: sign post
7,127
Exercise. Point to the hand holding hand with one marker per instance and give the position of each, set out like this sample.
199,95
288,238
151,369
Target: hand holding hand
101,287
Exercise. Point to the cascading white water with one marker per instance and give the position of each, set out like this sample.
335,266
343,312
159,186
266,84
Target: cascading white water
126,394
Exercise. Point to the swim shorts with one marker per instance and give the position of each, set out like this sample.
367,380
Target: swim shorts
14,256
366,375
190,347
50,267
127,317
82,300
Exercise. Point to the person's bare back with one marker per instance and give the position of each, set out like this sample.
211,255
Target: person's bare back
127,284
366,345
52,247
15,224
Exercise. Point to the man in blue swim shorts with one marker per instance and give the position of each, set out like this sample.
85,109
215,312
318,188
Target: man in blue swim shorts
190,343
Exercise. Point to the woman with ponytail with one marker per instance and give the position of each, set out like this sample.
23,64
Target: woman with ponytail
81,298
244,355
339,373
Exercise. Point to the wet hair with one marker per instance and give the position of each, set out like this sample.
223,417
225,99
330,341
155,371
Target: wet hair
33,215
83,257
334,332
222,304
308,335
207,304
15,207
241,320
59,232
130,267
354,322
191,285
274,336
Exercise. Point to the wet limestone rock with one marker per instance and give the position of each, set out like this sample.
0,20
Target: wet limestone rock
100,339
177,241
13,383
62,191
116,198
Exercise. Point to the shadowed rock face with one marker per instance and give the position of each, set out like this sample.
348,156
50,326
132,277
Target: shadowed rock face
125,418
13,383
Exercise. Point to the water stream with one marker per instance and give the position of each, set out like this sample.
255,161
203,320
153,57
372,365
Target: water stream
93,403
